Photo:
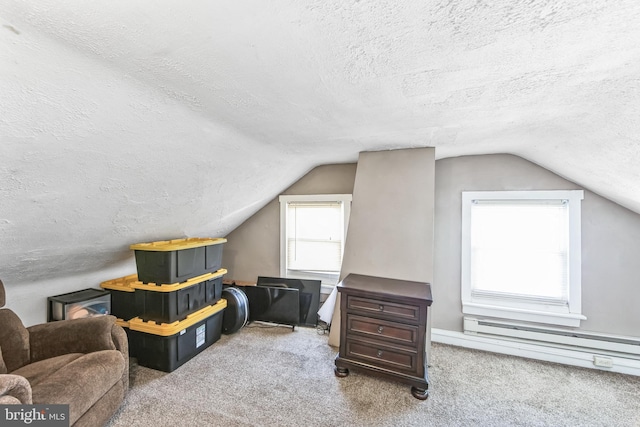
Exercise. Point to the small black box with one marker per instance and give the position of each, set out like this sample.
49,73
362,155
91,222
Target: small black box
78,304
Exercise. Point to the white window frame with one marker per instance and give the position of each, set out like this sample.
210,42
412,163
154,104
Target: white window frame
329,280
539,312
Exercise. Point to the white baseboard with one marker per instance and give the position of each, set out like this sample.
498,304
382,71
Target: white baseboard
583,359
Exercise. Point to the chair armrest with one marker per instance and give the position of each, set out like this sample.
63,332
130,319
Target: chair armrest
71,336
14,389
121,342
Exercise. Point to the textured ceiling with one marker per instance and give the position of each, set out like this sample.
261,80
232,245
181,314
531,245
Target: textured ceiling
124,122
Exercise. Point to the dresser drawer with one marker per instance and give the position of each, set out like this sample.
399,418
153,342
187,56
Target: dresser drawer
381,329
394,310
380,355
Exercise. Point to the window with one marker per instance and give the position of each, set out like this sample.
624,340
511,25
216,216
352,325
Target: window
312,234
521,255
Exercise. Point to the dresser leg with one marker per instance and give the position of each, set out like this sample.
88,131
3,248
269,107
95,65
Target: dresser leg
340,372
419,393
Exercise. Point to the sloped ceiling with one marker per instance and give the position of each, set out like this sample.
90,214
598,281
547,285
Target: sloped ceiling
131,121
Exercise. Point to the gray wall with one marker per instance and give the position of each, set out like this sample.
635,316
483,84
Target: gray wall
253,249
391,226
610,238
610,242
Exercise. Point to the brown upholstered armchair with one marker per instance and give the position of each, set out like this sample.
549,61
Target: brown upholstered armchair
83,363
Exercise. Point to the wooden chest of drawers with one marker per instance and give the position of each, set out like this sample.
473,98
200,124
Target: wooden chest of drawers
383,329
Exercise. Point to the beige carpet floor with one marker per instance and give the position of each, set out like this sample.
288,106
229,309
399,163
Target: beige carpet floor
271,376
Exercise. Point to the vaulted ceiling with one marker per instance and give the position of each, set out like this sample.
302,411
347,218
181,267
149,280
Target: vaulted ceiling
130,121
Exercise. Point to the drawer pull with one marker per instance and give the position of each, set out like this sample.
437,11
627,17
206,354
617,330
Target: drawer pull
379,353
381,307
380,329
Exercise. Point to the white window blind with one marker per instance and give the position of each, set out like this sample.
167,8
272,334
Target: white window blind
520,250
315,232
521,255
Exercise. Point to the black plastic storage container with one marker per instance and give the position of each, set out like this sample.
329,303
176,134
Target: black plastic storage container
123,303
125,325
74,305
173,261
166,347
170,303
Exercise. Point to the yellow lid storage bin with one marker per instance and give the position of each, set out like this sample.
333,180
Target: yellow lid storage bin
125,325
163,303
169,303
167,346
123,304
173,261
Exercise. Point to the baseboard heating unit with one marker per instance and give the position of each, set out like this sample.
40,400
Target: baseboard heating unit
600,351
616,346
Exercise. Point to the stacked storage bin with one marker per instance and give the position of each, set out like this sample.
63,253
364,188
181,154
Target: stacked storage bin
123,305
173,306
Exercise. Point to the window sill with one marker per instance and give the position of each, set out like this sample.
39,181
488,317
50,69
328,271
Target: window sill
525,315
326,289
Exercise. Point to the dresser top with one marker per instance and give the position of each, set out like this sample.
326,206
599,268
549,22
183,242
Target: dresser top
382,285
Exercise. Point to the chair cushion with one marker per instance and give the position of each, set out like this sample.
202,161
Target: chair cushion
70,336
82,382
14,340
38,371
